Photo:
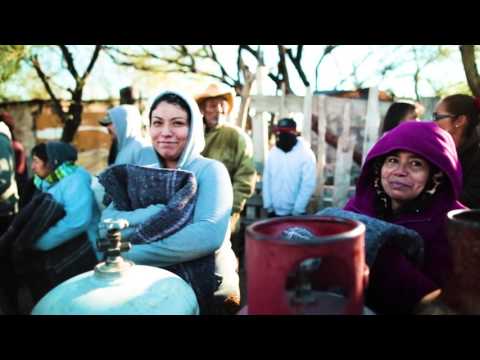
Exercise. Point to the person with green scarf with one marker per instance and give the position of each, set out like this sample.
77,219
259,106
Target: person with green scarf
53,164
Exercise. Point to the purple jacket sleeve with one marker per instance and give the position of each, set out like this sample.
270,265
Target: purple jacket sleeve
395,284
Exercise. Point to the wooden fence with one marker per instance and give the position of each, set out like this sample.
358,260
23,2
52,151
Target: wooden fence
340,132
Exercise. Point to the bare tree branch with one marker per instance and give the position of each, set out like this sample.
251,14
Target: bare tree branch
296,62
56,103
420,66
67,55
248,48
416,74
299,53
204,73
328,49
249,78
470,67
94,58
110,49
357,83
239,61
215,59
183,62
282,69
276,79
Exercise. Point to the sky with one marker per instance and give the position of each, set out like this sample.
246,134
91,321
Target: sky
107,78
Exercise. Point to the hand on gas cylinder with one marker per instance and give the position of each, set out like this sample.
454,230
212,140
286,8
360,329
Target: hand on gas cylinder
432,304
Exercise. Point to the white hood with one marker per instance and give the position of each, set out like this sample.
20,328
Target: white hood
196,139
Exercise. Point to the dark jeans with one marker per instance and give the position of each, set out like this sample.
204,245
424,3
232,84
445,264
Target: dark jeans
41,271
8,302
200,275
5,222
53,267
8,287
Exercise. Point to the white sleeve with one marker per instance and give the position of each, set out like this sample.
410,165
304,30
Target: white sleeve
266,196
308,182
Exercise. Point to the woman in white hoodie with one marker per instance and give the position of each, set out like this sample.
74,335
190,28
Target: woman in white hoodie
176,130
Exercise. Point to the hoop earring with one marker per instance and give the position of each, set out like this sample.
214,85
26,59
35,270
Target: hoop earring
436,182
380,192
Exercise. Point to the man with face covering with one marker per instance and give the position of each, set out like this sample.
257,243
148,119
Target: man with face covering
289,175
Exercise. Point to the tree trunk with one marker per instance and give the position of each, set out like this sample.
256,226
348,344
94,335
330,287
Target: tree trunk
470,67
74,118
283,71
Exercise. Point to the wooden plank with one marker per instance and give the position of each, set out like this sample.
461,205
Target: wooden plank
260,126
321,147
372,122
260,140
307,116
292,104
344,160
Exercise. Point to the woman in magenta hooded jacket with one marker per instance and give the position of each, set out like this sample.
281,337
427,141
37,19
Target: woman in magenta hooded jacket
396,285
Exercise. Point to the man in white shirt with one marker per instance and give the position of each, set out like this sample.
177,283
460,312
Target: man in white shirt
289,175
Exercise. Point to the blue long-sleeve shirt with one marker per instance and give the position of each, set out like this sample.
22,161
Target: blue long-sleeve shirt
210,220
76,196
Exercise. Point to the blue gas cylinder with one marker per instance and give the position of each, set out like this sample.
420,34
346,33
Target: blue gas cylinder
119,287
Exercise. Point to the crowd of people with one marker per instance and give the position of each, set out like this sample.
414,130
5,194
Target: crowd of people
413,176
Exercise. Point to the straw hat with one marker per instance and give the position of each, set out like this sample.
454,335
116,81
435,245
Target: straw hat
214,90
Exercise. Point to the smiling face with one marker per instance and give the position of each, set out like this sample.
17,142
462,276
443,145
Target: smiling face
404,175
169,132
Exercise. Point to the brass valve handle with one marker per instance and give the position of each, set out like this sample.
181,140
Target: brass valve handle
113,246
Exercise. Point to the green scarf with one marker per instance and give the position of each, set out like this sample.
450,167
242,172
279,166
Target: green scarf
55,176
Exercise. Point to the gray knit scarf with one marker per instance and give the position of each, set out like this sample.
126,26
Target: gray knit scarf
132,187
379,233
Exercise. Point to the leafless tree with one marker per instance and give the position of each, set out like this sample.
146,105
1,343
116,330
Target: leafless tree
421,61
470,67
72,118
328,49
185,59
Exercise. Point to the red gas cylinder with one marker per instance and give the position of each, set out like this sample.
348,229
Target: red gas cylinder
322,274
462,290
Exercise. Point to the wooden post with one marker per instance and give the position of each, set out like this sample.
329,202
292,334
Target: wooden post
307,116
321,148
245,96
372,122
243,111
343,161
260,128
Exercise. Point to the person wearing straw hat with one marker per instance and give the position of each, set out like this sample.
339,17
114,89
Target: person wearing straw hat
230,145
